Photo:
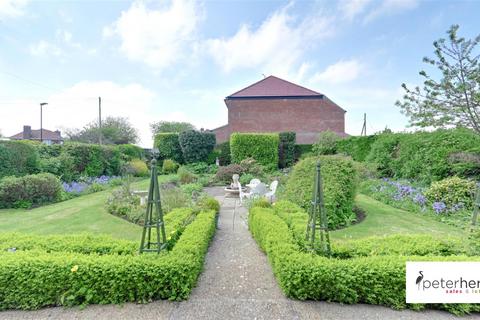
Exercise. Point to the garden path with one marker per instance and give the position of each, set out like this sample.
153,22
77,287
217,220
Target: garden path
237,283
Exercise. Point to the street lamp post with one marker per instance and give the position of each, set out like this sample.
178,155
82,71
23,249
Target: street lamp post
41,120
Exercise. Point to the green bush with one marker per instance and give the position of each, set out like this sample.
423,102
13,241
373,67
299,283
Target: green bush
31,190
303,151
452,191
35,279
304,275
208,203
186,176
246,178
192,189
339,185
263,147
169,166
224,157
130,152
137,168
196,145
286,149
94,160
326,143
426,156
356,147
168,146
17,158
62,166
200,167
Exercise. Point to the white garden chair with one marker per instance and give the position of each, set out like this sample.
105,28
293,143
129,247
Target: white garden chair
270,195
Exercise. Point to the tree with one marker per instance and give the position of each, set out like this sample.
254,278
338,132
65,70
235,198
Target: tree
454,99
115,130
170,126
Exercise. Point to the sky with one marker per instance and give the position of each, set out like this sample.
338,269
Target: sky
177,60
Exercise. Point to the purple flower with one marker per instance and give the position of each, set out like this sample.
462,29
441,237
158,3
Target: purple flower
439,207
420,199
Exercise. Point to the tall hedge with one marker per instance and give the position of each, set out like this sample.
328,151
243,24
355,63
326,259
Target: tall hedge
168,146
356,147
129,152
94,160
286,149
426,156
196,145
262,147
339,185
17,158
224,158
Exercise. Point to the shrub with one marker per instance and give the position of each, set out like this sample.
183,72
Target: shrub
137,168
339,185
304,275
326,143
381,153
466,163
129,152
199,167
453,192
173,198
303,151
224,174
185,175
263,147
62,166
61,278
168,146
196,145
286,149
94,160
31,190
208,203
224,157
17,158
251,166
356,147
169,166
192,189
246,178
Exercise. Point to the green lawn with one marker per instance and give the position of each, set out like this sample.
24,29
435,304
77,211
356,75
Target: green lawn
383,220
83,214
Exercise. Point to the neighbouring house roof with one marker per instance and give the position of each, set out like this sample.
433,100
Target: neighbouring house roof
35,135
271,87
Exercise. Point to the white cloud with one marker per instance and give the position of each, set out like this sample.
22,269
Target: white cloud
277,44
157,37
352,8
389,7
340,72
45,48
12,8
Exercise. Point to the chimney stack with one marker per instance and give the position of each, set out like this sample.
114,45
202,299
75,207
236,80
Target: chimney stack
27,132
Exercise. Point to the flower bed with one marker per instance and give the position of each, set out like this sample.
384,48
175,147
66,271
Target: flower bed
372,279
35,278
88,184
404,195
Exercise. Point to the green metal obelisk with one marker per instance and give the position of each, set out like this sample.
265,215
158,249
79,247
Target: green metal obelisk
153,217
318,220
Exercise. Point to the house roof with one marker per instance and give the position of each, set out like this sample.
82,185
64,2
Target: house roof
35,135
272,86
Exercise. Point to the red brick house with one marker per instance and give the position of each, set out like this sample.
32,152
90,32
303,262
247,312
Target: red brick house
48,137
276,105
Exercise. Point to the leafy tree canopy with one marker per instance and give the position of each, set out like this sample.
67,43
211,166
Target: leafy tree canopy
170,126
452,97
115,130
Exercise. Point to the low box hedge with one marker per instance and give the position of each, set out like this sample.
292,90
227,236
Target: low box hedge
35,279
373,280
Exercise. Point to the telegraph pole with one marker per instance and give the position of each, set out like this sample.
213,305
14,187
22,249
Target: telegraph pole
364,128
41,120
100,119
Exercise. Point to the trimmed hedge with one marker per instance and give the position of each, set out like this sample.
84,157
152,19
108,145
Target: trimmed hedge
94,160
374,280
286,149
17,158
263,147
35,279
168,146
224,158
130,152
339,185
356,147
196,145
31,190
